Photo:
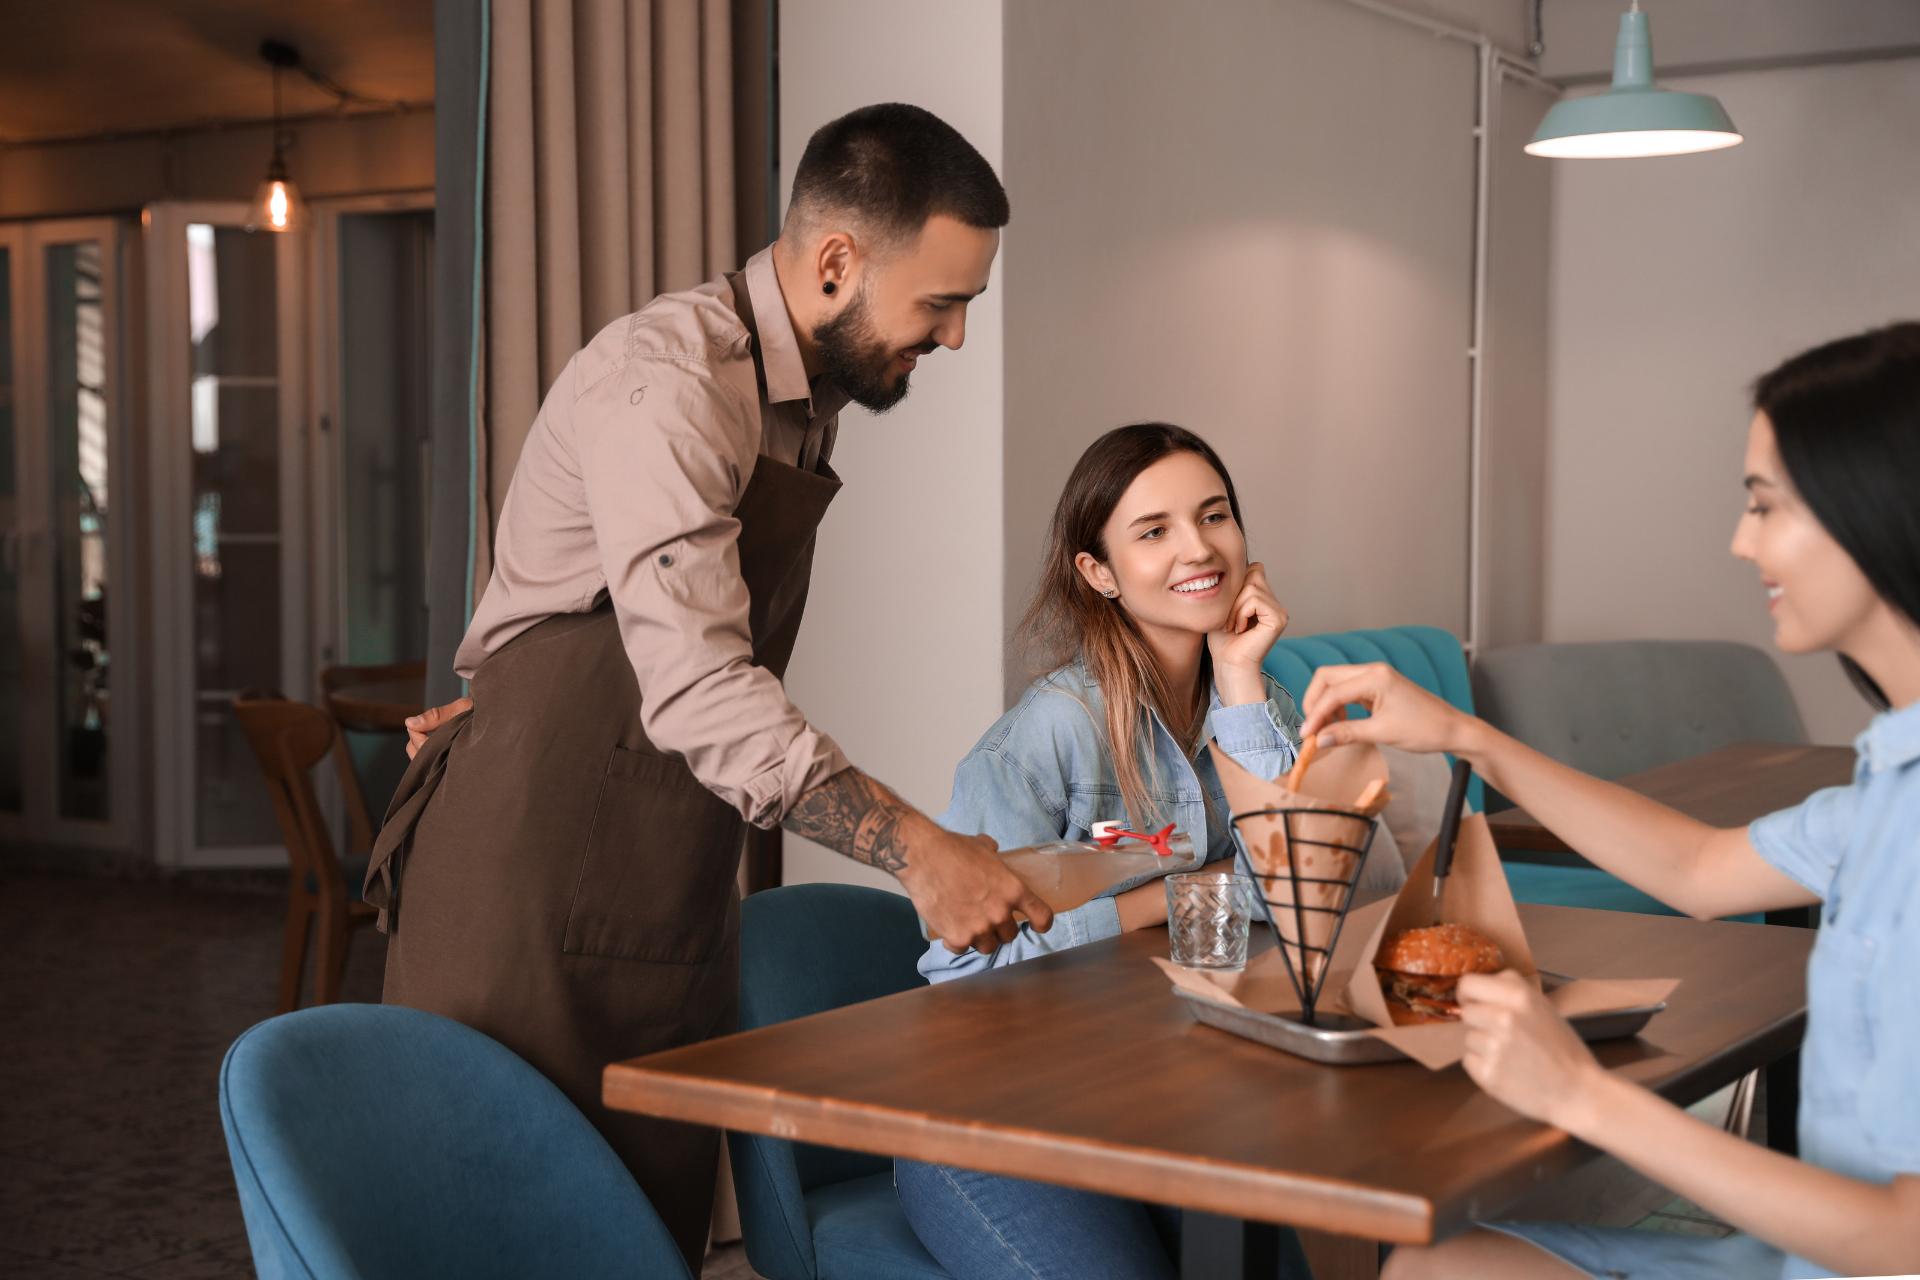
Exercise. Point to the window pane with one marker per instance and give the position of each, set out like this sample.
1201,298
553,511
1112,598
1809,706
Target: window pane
12,676
236,585
82,504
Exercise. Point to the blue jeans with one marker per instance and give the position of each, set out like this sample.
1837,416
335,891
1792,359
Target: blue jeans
980,1226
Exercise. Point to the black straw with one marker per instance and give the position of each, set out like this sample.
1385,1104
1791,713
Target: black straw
1450,820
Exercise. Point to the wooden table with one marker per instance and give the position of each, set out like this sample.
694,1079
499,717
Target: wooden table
1083,1069
1726,788
378,707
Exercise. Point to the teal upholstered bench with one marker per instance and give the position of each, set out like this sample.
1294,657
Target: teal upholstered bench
1432,658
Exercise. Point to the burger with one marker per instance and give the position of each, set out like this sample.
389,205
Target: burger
1419,968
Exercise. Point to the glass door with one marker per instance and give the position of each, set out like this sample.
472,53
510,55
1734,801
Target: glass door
13,675
371,336
82,479
68,715
228,528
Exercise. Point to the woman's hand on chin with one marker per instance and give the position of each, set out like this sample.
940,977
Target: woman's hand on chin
1241,646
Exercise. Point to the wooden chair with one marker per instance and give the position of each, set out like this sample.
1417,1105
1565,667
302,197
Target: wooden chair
289,739
347,715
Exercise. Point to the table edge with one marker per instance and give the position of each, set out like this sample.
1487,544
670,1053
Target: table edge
1246,1191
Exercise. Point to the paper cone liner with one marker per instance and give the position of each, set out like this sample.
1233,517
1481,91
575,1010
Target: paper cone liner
1476,893
1305,864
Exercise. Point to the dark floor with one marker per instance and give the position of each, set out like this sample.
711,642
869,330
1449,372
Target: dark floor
118,1000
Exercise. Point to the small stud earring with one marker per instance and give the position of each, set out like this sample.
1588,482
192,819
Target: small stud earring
1111,594
828,288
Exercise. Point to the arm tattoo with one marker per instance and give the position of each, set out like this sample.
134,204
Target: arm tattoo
855,815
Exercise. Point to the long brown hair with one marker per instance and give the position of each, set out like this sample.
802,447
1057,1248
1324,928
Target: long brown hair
1068,618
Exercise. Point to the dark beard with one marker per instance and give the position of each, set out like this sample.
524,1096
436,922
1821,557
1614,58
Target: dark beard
854,358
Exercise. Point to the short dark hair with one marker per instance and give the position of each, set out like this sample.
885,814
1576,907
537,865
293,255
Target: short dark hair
1846,420
893,166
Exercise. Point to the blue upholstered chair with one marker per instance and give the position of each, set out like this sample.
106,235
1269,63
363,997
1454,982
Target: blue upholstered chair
1433,659
1620,707
370,1141
808,1212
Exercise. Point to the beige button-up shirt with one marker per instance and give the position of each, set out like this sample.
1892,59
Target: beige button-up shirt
641,452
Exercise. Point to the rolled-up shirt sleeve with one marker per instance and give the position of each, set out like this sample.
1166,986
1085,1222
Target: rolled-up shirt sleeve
666,449
1808,840
1262,737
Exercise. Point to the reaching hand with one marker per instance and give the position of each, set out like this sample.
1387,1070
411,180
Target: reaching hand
1402,714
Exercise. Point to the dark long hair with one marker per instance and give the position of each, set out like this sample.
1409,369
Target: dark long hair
1846,419
1068,617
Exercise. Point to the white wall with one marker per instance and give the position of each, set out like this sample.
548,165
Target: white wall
900,655
1260,226
1513,558
1679,280
1709,35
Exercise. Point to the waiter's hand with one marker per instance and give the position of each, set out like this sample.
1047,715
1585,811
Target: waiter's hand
966,894
420,726
963,891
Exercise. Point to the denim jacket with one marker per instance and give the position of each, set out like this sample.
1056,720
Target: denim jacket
1043,772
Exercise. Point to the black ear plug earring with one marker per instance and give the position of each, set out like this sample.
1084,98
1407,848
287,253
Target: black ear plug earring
828,288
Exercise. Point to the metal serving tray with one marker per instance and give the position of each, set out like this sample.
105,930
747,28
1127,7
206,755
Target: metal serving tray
1341,1040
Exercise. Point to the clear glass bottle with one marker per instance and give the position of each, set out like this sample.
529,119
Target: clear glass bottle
1070,873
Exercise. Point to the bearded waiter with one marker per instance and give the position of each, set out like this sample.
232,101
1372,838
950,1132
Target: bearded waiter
558,867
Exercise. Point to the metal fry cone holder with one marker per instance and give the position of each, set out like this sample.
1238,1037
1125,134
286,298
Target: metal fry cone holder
1307,985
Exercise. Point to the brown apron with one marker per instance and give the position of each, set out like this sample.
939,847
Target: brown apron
550,877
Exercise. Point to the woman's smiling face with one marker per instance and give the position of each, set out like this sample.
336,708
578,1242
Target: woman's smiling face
1174,551
1818,597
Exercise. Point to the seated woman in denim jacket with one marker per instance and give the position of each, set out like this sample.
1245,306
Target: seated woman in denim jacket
1156,625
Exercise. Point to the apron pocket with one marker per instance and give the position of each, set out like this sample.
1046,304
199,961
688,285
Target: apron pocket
658,868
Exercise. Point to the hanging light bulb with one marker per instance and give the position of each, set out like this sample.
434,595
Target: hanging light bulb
276,201
1634,117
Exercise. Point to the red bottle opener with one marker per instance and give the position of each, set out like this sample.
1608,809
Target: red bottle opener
1108,834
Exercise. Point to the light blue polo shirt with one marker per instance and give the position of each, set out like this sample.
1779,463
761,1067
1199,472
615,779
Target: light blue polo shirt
1858,848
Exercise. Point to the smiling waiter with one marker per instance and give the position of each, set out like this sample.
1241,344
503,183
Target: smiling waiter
558,866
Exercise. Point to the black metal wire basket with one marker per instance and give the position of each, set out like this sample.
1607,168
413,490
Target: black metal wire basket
1308,977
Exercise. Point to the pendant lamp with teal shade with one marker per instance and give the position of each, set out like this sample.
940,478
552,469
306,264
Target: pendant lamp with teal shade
1633,117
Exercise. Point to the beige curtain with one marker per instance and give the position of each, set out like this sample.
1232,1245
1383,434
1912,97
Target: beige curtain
610,179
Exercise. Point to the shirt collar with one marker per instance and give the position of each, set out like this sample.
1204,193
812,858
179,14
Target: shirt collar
1081,675
1892,741
779,347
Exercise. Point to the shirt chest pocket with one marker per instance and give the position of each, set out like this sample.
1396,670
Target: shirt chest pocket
1888,1070
1890,1085
1841,995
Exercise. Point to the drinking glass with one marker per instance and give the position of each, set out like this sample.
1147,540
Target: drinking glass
1207,917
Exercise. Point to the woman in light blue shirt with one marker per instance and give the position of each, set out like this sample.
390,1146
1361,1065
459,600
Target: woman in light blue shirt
1155,626
1833,527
